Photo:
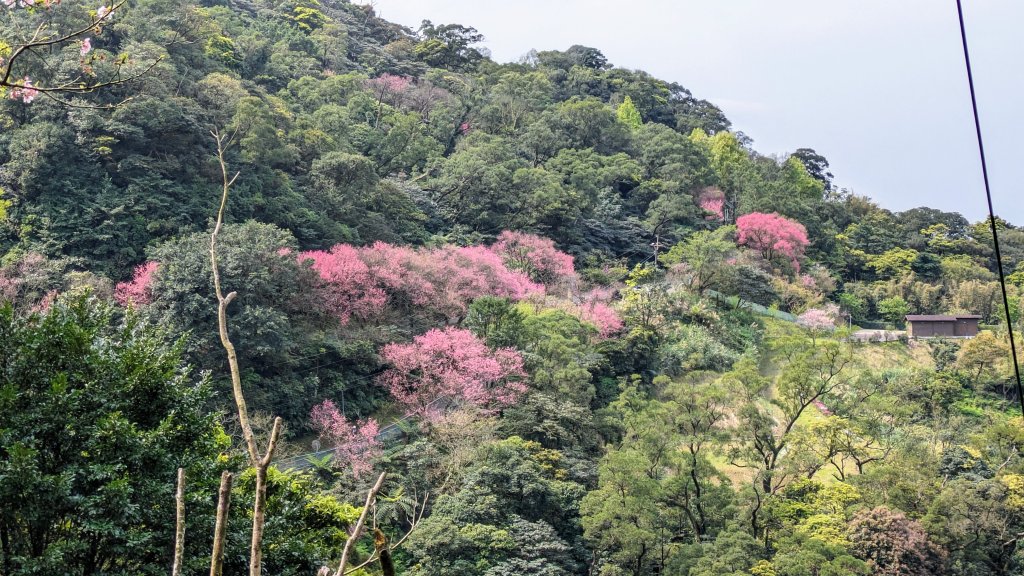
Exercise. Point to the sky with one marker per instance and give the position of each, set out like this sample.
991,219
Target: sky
878,87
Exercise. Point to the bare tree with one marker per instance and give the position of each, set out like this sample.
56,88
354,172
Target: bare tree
260,462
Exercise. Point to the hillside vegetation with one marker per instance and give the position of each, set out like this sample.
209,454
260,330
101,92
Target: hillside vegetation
583,326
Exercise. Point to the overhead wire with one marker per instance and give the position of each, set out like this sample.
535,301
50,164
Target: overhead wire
991,210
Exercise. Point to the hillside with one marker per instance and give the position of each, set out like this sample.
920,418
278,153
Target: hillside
564,299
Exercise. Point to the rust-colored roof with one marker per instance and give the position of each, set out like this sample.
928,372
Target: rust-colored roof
941,317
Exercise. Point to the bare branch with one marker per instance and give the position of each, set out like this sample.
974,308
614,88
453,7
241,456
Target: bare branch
359,524
179,524
220,529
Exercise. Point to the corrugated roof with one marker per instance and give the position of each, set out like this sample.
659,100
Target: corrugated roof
941,317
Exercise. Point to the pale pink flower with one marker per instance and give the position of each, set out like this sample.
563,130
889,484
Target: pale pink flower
354,443
139,290
102,12
26,92
86,46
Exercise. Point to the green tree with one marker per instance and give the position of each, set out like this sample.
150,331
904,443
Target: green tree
894,309
628,114
706,255
97,414
514,512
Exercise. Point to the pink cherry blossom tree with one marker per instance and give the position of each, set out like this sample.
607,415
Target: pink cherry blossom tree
355,444
712,201
535,256
442,281
819,320
347,288
602,316
773,235
451,364
139,290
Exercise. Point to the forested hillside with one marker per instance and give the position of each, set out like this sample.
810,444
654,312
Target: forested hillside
582,325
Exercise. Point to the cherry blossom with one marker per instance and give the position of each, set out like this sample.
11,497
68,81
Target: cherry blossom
347,289
139,290
451,364
86,46
535,256
772,234
712,201
355,444
26,92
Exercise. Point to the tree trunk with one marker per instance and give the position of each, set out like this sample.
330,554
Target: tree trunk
179,524
220,529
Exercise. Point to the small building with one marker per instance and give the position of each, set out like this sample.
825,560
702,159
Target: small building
942,326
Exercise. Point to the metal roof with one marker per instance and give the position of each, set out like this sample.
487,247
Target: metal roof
941,317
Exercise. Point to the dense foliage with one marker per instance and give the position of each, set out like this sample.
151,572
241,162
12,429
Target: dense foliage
601,330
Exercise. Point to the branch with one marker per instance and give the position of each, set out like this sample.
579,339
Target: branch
359,524
179,524
36,43
220,529
260,463
222,306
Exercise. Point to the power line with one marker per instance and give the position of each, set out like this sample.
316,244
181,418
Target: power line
991,211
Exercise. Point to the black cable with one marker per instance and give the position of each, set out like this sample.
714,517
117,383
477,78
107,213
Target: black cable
991,211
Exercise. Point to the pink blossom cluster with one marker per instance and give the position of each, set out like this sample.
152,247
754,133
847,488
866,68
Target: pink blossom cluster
822,408
451,363
602,316
820,319
534,255
13,277
85,47
354,443
808,281
28,3
26,92
772,234
139,290
361,282
348,289
712,201
405,93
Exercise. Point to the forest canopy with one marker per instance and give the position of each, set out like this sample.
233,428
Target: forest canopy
580,324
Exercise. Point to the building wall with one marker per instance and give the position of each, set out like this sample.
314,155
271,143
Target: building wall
964,327
925,329
967,327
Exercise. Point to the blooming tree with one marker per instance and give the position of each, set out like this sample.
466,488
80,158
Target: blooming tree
139,290
355,444
348,288
712,201
535,256
441,281
602,316
819,320
451,365
773,235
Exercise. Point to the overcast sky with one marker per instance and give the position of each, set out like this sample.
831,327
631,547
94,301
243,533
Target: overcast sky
876,86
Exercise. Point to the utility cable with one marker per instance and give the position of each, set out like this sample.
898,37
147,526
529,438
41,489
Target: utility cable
991,211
